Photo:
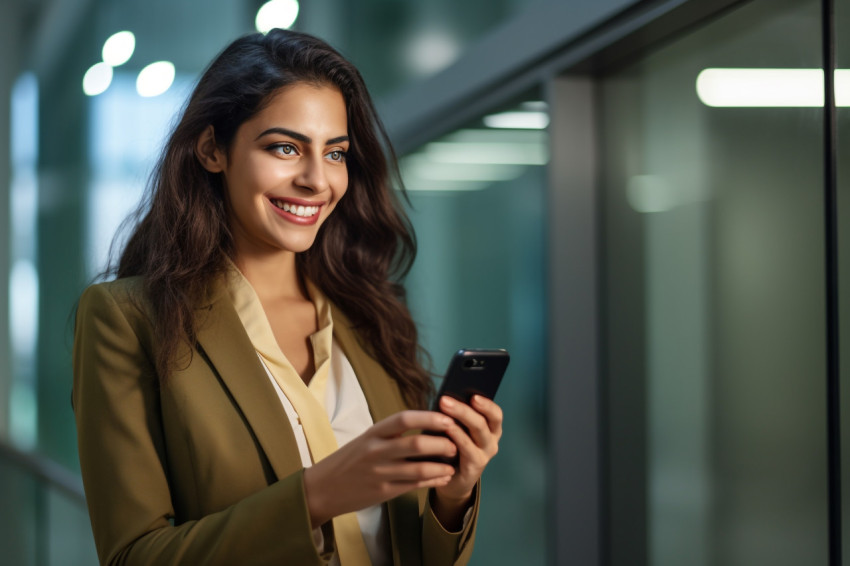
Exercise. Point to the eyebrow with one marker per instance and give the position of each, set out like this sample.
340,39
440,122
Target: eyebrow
298,136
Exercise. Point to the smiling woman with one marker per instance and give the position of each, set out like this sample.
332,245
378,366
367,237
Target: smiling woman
243,391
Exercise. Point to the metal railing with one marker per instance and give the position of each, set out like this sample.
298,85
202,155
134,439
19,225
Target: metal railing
45,471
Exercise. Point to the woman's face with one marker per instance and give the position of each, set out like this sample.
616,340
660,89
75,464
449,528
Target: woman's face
285,170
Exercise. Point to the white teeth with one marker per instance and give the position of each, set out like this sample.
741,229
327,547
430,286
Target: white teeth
296,209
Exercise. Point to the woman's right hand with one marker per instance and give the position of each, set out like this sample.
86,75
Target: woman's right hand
375,466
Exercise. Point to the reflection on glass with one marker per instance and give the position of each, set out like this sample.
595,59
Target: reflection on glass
477,204
714,294
473,158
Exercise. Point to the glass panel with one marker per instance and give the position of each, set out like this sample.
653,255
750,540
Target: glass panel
714,295
842,52
19,519
478,206
70,541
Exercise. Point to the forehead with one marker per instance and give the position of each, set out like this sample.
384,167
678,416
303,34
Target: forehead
306,108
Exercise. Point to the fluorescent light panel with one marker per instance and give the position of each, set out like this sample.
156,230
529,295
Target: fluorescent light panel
518,120
769,88
488,153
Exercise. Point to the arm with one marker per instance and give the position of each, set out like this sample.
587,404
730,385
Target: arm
454,506
122,457
442,546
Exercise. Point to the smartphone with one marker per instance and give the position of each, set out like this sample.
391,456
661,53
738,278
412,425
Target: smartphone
471,372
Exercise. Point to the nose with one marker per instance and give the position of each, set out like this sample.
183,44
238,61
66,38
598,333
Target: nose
312,175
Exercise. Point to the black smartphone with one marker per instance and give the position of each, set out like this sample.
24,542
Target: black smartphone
471,372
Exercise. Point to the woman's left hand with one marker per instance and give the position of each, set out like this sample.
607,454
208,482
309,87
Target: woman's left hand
483,420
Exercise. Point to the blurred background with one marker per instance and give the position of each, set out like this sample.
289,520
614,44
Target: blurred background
628,195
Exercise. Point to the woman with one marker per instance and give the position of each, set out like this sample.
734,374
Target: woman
245,389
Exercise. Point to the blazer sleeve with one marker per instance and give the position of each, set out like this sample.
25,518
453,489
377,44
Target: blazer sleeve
124,468
441,547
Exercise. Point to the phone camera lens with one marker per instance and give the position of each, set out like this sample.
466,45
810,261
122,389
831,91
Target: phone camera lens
469,363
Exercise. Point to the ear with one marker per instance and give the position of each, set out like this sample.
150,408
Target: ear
208,153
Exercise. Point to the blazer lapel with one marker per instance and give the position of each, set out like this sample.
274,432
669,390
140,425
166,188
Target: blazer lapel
384,399
227,346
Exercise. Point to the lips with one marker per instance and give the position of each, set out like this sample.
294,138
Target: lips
298,212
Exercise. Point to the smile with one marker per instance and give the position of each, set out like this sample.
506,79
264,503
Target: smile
296,209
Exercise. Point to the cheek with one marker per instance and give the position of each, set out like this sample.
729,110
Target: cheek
341,184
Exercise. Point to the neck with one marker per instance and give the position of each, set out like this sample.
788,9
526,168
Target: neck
273,276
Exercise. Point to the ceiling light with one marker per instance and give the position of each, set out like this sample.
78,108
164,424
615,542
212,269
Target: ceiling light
276,14
769,88
420,167
431,50
119,48
97,79
518,120
505,153
155,79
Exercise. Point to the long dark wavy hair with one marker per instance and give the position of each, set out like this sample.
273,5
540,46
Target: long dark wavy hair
362,252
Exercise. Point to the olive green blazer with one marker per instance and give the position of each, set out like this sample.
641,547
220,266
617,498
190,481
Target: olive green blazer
205,468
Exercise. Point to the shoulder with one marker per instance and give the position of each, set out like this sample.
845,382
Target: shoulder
121,290
125,296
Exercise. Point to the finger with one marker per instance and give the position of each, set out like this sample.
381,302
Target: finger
468,417
404,421
436,482
470,452
420,446
403,486
415,471
491,411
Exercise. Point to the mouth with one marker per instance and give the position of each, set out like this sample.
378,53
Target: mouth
297,212
296,209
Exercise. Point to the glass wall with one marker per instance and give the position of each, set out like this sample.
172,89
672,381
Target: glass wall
477,204
714,297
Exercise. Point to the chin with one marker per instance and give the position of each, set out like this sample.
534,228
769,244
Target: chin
299,245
